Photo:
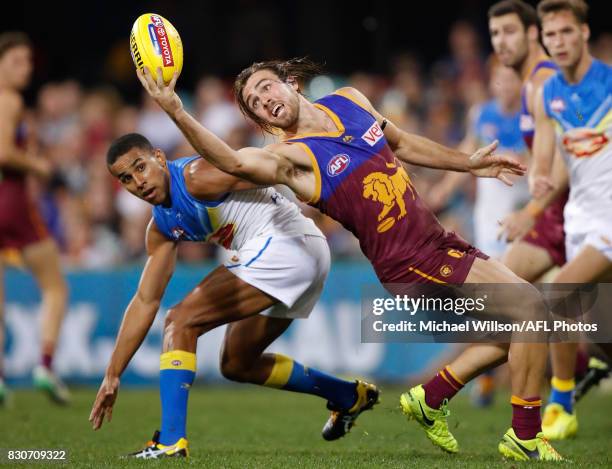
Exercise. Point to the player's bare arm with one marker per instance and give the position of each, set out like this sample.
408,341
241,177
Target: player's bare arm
543,150
519,223
274,164
259,165
11,109
421,151
206,182
137,319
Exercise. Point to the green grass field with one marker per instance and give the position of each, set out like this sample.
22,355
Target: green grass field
245,427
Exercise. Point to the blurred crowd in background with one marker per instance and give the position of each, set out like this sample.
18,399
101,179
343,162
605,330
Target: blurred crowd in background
98,224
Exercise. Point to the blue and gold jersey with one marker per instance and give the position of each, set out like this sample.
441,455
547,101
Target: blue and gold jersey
231,220
361,184
187,218
582,116
493,124
494,200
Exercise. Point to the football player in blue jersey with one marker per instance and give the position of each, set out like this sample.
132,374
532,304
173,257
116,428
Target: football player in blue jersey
281,264
574,113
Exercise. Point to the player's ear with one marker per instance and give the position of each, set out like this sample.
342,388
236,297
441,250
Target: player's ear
533,33
292,81
586,32
160,156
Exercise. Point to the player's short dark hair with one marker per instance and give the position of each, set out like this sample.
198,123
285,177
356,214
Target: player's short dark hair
579,8
125,143
526,13
11,39
301,68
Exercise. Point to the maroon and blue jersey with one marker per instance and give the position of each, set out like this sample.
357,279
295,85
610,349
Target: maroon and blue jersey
361,184
527,122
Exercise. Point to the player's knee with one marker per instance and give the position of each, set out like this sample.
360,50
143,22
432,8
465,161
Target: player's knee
176,322
534,307
234,370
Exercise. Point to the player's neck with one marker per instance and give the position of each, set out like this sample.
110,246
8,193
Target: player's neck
311,120
511,108
576,73
536,54
4,86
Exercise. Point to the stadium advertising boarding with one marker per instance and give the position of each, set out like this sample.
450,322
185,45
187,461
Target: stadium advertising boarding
330,339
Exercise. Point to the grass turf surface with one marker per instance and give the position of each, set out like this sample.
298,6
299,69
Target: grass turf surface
246,426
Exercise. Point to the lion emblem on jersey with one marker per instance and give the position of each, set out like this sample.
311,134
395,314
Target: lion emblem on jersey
584,142
389,190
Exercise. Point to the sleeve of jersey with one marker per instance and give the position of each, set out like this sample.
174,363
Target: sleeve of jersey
160,222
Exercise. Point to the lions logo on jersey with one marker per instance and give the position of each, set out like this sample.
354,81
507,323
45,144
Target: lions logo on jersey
388,190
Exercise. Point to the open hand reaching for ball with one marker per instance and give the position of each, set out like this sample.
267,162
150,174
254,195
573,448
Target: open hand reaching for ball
162,94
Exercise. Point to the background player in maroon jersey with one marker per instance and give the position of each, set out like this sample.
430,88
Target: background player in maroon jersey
21,227
269,93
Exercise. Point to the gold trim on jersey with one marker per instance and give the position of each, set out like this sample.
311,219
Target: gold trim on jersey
541,58
346,95
335,119
604,122
317,173
424,275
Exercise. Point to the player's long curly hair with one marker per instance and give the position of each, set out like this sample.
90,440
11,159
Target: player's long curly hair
300,68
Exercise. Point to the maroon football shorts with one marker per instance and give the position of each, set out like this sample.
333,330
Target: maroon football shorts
548,234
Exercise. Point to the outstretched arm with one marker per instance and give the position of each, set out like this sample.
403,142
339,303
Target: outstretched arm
421,151
205,182
137,319
259,165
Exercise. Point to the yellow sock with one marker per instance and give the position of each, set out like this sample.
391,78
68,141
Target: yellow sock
281,371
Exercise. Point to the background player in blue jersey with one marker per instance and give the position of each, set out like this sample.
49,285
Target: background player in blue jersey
574,113
375,199
279,271
497,119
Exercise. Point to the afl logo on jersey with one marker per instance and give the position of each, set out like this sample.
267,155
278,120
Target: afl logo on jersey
338,164
526,123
